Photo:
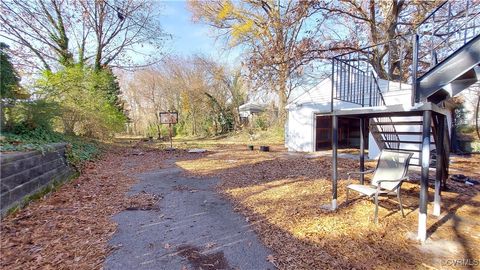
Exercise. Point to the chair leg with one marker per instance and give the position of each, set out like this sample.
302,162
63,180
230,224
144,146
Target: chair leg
347,195
376,208
400,202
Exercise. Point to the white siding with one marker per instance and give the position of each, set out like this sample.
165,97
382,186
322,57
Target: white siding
300,126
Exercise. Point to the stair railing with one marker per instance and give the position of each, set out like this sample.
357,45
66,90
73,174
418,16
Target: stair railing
452,25
354,73
361,86
389,131
350,82
356,81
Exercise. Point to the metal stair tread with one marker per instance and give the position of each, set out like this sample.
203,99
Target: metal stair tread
398,123
413,142
406,150
399,132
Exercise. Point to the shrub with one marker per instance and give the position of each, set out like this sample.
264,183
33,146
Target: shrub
26,116
80,149
261,121
85,97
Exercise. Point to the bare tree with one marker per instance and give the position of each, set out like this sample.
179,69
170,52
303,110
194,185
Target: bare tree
226,87
205,93
121,27
273,33
62,32
366,23
284,40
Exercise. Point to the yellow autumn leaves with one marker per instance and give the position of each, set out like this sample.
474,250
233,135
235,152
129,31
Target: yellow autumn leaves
243,28
226,9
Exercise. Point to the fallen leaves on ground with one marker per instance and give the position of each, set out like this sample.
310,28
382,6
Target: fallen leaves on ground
142,201
282,196
70,228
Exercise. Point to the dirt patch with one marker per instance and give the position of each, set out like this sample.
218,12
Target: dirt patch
142,201
184,188
468,165
198,260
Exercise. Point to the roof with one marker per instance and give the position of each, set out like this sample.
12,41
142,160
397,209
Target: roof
252,107
317,94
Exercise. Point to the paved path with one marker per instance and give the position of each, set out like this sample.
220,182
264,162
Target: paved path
194,228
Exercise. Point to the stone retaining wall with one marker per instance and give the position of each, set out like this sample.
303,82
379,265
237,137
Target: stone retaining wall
25,173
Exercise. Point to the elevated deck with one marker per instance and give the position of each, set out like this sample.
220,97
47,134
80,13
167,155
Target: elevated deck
391,110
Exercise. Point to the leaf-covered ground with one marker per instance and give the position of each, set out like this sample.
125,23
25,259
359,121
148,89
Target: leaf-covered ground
282,194
70,228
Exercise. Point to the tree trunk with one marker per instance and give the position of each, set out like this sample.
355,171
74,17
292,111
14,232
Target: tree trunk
194,129
236,116
282,95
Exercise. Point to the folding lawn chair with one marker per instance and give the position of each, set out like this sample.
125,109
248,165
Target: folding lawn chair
388,176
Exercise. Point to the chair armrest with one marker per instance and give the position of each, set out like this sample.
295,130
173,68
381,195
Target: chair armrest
364,172
349,174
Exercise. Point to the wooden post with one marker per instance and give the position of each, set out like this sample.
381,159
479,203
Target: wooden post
362,149
446,153
334,160
171,139
439,141
425,161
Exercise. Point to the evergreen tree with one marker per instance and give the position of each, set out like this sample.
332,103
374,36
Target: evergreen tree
113,90
9,79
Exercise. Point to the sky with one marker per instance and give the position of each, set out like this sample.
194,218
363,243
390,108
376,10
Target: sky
189,38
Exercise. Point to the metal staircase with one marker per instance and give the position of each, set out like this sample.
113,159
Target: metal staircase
439,59
407,134
450,77
447,46
362,87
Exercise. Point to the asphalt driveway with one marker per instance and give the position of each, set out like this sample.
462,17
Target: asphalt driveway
192,228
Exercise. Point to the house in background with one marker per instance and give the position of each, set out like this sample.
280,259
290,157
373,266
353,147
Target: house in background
258,102
309,123
249,109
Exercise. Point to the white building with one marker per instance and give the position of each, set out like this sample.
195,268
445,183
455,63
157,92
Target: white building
308,126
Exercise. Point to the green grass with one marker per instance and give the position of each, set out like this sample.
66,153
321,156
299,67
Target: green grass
272,136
